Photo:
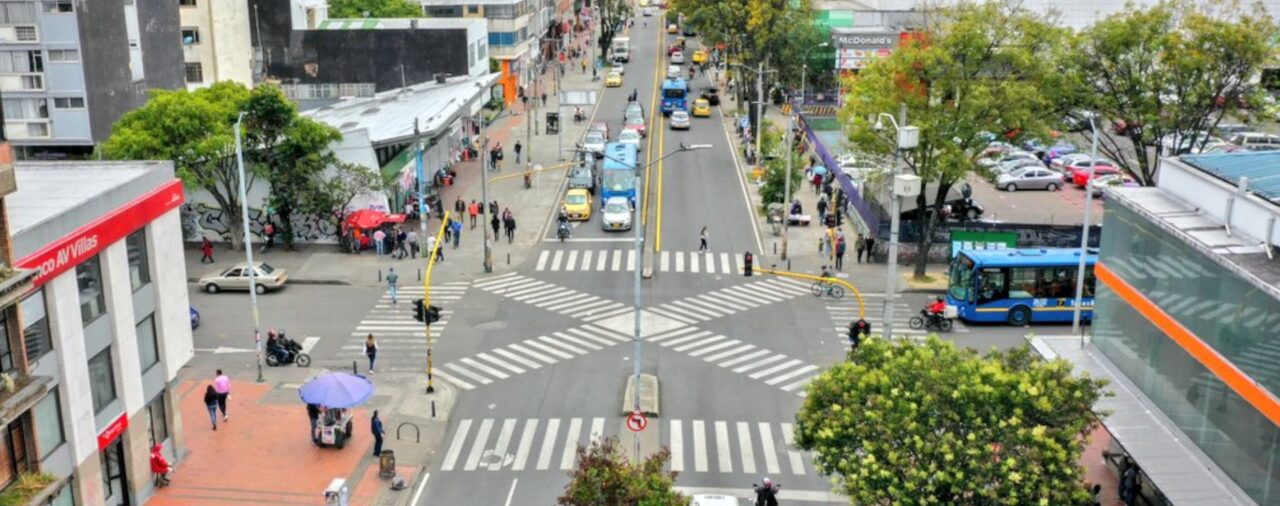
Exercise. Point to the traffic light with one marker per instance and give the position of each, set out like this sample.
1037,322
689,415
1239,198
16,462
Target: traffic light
433,314
424,313
418,313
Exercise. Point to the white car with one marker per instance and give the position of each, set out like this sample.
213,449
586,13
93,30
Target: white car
673,71
679,120
648,11
618,67
616,214
677,57
594,143
1065,161
631,137
1008,157
714,500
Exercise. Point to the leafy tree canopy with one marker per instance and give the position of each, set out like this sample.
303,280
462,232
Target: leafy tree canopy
605,476
340,9
785,34
926,423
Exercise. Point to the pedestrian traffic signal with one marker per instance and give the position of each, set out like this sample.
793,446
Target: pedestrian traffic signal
433,314
418,310
424,313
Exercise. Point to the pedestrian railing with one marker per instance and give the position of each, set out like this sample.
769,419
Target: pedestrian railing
853,197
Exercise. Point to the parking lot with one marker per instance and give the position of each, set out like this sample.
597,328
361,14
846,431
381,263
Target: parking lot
1062,207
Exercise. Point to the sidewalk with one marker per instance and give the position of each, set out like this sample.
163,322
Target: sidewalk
326,264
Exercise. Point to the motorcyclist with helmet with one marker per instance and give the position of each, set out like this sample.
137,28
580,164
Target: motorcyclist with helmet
935,311
276,347
766,493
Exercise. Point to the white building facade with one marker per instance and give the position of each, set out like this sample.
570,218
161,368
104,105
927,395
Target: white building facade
215,42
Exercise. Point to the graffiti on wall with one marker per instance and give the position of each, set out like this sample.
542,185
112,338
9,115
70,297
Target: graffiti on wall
201,220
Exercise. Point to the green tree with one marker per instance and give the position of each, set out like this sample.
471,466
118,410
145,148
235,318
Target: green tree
926,423
1172,70
985,68
605,477
345,9
775,162
335,188
614,12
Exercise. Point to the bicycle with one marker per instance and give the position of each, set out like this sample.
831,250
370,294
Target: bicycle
820,288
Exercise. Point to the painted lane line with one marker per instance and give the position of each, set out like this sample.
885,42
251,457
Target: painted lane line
798,372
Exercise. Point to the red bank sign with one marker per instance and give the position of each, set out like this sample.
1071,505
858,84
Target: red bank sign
112,432
90,239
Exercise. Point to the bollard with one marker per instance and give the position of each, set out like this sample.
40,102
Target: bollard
775,248
433,409
788,264
419,274
353,368
508,258
379,275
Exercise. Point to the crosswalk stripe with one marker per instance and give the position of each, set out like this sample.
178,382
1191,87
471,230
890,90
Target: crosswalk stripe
578,298
544,348
679,263
617,260
709,349
743,358
745,449
803,370
667,312
739,350
556,293
708,306
670,334
726,301
602,314
548,444
676,445
555,260
631,260
696,344
697,335
460,370
722,447
600,261
709,263
681,307
477,446
499,362
617,336
738,266
486,283
504,439
570,444
664,260
798,384
476,364
525,288
578,341
542,260
517,358
591,337
724,263
699,446
447,377
562,345
526,441
759,363
693,264
597,429
455,446
586,259
788,437
785,365
766,447
518,347
571,263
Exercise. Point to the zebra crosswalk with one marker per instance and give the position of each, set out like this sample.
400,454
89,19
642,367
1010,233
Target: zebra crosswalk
552,297
697,446
730,300
772,368
518,358
402,341
624,260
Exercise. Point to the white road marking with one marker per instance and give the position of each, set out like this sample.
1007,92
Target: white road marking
526,442
548,444
676,446
477,446
455,446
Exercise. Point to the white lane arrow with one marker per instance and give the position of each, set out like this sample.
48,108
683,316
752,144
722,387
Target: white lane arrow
224,349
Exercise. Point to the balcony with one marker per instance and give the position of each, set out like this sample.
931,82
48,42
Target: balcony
32,489
17,130
25,81
26,392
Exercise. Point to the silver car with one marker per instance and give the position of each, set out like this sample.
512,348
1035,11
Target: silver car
673,71
1030,178
677,57
616,214
594,143
1012,165
236,277
679,120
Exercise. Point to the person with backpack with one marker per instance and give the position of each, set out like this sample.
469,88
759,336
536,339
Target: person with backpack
840,247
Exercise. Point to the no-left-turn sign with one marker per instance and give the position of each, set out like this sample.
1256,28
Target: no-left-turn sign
636,421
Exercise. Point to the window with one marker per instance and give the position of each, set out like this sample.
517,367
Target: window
502,39
139,268
34,82
158,420
187,3
47,416
1022,282
17,12
64,55
36,333
25,33
473,9
26,108
19,62
190,35
195,72
37,129
482,52
57,6
102,380
365,90
500,11
16,439
148,351
93,302
68,103
6,349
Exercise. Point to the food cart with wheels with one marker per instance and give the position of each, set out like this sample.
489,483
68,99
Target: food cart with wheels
335,428
335,393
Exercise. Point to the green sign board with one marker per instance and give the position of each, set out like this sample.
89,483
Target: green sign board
976,239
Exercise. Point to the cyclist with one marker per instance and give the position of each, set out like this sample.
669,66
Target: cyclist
826,273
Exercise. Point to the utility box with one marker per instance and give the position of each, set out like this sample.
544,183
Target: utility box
906,185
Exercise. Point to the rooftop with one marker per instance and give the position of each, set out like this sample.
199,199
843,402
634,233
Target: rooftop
1262,168
401,24
389,116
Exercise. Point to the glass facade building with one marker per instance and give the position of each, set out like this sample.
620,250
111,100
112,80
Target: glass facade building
1169,315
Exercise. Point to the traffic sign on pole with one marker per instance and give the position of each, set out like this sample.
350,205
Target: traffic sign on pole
636,422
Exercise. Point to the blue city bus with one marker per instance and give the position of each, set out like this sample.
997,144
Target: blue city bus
618,177
1020,286
674,93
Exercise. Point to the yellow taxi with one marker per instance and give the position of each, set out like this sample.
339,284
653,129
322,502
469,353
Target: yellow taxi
577,204
702,108
699,57
613,80
672,28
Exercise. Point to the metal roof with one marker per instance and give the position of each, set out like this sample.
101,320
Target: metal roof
1262,168
389,116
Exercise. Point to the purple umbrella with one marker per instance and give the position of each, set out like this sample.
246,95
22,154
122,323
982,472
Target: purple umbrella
337,390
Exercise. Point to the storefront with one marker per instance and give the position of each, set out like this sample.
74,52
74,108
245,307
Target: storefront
856,48
108,315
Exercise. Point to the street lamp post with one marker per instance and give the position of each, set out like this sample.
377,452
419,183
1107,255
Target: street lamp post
484,190
1084,234
760,71
248,249
907,137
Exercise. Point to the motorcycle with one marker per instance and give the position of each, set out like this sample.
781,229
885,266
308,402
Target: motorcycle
528,180
293,355
579,116
924,320
563,231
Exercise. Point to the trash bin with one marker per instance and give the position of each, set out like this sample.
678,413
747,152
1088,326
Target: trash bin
387,464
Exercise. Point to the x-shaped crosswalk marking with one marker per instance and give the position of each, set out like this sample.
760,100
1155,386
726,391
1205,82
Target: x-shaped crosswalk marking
670,324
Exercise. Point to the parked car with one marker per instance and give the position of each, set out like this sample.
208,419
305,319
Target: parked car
1256,141
960,209
679,120
1081,177
1226,130
1084,165
1062,162
1008,157
1030,178
1220,147
637,124
195,317
237,276
1102,182
629,136
1183,143
616,214
1012,165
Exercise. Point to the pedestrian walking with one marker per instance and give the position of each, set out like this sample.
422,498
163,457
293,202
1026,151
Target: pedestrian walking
269,230
431,247
313,412
544,99
860,244
457,233
498,156
493,207
371,350
206,250
375,425
211,404
702,239
822,209
1130,482
495,223
518,148
378,238
222,385
459,206
817,182
392,280
412,239
871,249
402,249
472,211
509,224
584,66
840,247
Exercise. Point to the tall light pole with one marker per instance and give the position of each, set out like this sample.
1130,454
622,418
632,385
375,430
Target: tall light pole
484,188
786,191
760,71
1084,234
248,249
904,185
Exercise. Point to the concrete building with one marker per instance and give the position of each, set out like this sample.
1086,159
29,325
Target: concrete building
105,321
515,27
216,45
70,68
1187,329
318,61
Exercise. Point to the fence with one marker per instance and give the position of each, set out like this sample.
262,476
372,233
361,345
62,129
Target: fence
853,198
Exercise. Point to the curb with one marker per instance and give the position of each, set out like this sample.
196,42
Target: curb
299,281
923,290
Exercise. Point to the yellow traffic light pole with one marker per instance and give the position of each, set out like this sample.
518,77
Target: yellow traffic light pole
426,295
862,308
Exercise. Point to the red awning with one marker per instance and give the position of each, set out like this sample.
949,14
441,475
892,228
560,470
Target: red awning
366,218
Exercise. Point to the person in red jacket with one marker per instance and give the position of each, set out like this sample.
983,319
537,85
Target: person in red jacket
160,466
936,309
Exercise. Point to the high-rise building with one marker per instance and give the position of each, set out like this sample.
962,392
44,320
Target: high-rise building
215,42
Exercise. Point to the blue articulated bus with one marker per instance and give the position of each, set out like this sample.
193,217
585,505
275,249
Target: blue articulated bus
1020,286
618,177
675,92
